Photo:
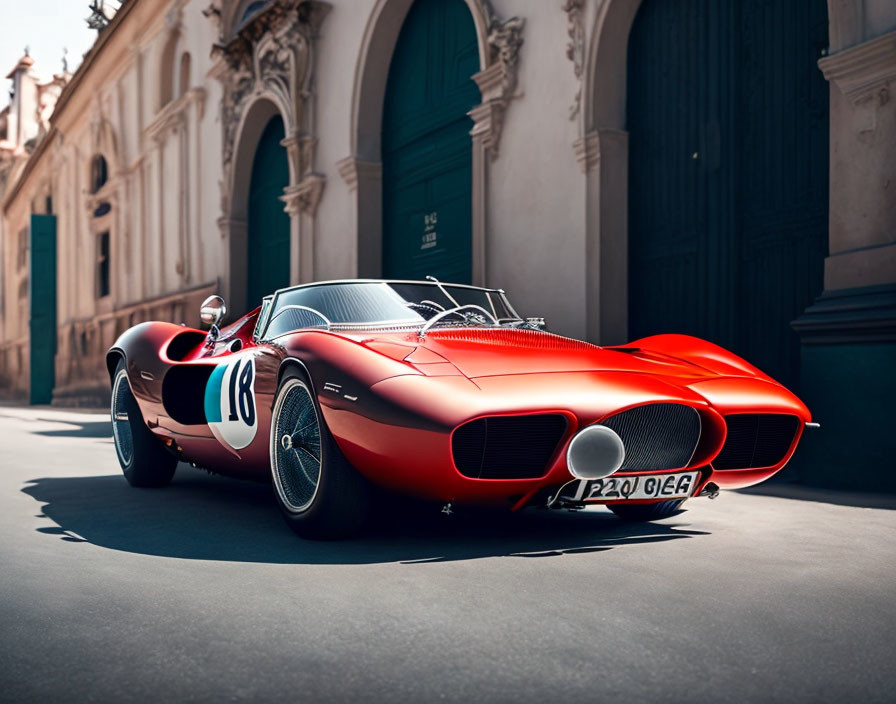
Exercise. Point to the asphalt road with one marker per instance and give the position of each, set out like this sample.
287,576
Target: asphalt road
199,592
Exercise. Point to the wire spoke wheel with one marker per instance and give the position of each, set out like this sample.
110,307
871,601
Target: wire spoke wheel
296,446
122,402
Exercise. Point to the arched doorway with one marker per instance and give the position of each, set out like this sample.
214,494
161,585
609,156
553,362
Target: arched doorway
727,115
426,144
268,224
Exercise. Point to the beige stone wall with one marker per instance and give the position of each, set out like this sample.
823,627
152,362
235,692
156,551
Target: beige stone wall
550,160
163,155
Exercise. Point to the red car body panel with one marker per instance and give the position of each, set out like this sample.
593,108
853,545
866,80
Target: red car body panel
393,401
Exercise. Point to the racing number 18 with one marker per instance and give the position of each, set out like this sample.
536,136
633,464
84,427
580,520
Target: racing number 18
244,406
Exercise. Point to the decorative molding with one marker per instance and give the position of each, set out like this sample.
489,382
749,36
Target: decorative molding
863,73
855,315
588,148
575,48
304,196
351,168
348,171
498,80
272,54
587,151
172,115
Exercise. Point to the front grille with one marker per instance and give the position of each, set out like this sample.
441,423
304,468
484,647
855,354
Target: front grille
656,436
756,440
507,447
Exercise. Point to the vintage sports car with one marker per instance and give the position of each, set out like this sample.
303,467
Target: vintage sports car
443,392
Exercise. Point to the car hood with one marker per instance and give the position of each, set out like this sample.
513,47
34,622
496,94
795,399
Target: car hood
500,352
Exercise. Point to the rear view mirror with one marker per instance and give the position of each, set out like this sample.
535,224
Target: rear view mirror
212,311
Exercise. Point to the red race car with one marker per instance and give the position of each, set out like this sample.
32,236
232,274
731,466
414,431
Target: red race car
443,392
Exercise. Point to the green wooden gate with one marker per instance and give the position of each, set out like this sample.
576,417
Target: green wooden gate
268,225
42,308
426,144
728,162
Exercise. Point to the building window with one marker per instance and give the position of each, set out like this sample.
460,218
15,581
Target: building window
102,265
184,84
22,253
99,173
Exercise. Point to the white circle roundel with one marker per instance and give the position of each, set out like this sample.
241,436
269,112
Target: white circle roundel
230,402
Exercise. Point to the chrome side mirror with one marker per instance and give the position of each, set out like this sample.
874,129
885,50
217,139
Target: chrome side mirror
212,311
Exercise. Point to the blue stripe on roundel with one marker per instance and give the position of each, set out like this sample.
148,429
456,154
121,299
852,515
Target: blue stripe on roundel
213,395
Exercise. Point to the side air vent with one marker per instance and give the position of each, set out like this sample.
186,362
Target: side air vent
507,447
756,440
656,436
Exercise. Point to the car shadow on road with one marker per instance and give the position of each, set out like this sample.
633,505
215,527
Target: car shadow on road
100,428
212,518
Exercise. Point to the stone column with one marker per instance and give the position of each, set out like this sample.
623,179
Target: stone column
849,334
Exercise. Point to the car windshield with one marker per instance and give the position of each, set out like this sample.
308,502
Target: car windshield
380,303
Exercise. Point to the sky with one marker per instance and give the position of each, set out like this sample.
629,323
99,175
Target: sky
46,26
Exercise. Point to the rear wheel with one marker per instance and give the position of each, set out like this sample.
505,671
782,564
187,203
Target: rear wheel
647,512
143,459
319,493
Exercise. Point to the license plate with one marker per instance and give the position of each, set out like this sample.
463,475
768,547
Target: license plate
643,486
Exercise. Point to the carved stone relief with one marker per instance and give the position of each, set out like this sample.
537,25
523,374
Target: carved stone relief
575,49
498,80
272,54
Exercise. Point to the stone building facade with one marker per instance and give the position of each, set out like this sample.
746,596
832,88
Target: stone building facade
621,167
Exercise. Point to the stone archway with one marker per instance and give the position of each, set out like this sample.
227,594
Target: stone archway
499,44
256,118
602,152
266,65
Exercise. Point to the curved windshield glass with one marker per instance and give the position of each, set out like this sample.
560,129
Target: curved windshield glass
377,303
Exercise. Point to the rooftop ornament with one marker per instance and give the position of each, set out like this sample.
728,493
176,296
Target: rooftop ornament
101,13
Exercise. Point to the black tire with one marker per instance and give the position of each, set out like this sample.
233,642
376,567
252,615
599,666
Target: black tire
143,459
336,504
647,512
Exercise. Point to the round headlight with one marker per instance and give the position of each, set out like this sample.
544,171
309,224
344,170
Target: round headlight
595,452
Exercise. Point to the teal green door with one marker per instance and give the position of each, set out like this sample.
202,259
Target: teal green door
426,144
268,224
728,173
42,308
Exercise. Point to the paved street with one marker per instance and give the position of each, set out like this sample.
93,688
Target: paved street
199,592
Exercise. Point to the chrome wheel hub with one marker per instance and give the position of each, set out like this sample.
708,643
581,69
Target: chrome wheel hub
121,426
296,446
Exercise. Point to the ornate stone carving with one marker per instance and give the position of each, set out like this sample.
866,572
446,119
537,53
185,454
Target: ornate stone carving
272,54
575,48
498,80
304,196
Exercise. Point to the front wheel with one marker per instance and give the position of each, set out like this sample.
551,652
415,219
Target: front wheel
143,459
319,493
647,512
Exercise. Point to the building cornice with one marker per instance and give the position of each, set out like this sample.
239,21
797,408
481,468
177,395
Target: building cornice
862,71
30,165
